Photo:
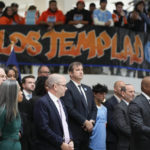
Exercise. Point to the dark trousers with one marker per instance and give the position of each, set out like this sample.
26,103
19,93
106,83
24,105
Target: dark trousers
81,144
111,146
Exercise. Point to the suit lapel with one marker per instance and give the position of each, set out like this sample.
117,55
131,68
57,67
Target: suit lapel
79,94
52,105
146,103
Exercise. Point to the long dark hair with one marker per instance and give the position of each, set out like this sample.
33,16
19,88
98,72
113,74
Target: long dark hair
9,98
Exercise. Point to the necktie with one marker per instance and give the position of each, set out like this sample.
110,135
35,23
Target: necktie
29,96
64,122
82,94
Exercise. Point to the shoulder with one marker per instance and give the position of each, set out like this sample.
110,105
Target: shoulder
59,12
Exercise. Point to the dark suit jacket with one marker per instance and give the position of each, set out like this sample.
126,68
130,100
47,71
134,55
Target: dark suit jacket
111,125
123,126
139,114
78,110
25,113
48,124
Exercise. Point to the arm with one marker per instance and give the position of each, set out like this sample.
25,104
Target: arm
110,119
120,119
136,119
73,113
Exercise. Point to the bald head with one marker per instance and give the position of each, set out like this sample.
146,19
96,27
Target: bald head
56,84
2,75
145,85
117,88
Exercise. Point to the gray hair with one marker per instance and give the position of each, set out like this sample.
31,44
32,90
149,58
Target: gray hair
53,79
9,98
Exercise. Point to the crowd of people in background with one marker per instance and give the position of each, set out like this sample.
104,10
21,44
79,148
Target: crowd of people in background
49,113
137,20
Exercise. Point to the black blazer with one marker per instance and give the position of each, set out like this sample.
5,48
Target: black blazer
25,113
139,114
78,110
123,126
49,129
111,125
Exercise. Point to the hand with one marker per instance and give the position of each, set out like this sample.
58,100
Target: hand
122,13
88,126
50,25
71,145
66,146
108,23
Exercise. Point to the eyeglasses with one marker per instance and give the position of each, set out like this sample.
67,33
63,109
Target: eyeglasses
64,85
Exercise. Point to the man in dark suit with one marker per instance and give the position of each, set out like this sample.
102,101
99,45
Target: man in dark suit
111,139
28,85
79,101
50,117
139,114
122,119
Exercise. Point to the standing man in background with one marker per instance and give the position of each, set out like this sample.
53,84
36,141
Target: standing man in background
139,114
79,101
51,119
121,118
111,140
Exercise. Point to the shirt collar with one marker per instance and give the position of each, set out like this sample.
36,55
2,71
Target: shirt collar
52,96
26,94
118,99
76,84
126,102
147,97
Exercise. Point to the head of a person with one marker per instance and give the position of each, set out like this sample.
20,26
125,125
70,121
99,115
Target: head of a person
11,94
119,7
14,7
99,92
8,12
117,88
145,85
43,71
41,88
92,7
28,83
140,6
11,73
56,84
75,71
2,75
2,6
128,92
15,68
80,5
53,5
103,4
32,7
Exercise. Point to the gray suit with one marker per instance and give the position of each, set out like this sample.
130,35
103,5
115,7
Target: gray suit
139,114
123,127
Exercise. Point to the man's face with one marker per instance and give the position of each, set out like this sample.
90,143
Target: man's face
29,84
100,97
61,87
103,5
130,93
53,6
77,73
119,8
44,71
80,6
2,75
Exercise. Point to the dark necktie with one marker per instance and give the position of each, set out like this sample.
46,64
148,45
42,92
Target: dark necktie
82,94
